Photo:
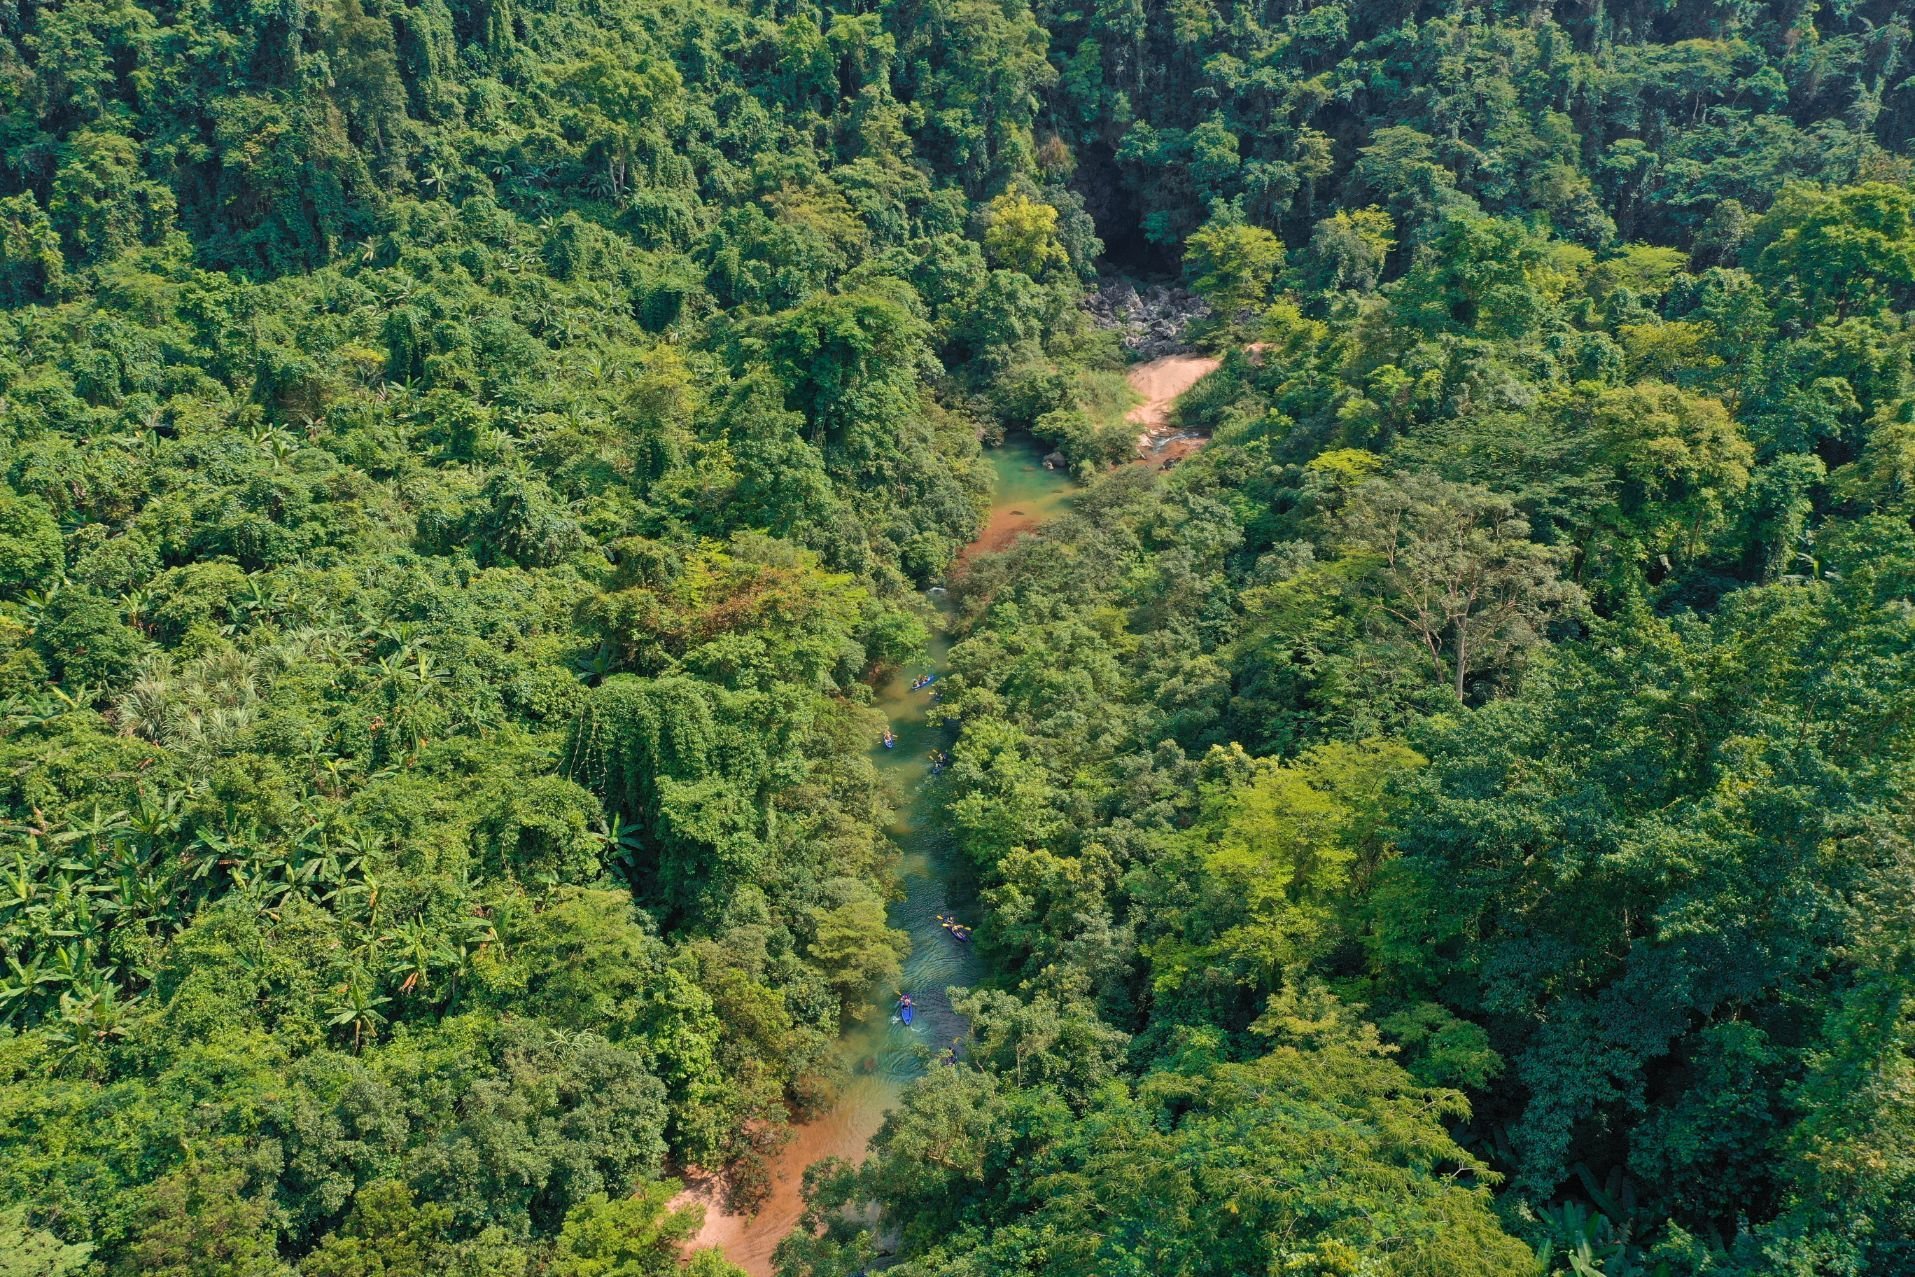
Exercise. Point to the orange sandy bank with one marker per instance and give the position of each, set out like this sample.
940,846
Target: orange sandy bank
1160,382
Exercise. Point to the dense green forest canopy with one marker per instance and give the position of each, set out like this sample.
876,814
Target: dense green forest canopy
466,461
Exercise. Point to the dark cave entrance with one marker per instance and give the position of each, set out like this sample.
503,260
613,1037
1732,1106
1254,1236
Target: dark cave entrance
1120,222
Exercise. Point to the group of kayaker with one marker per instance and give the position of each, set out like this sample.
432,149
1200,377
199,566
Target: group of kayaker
958,932
918,684
939,759
907,1008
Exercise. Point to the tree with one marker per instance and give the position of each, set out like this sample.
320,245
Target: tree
32,268
543,833
853,945
1836,252
1000,795
638,1236
1485,276
850,367
781,484
199,1221
589,963
1053,1038
1264,876
1454,568
1677,461
1020,234
1231,266
386,1234
1348,250
85,642
629,99
30,551
26,1251
664,758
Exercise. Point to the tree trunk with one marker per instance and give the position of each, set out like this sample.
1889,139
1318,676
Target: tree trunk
1462,656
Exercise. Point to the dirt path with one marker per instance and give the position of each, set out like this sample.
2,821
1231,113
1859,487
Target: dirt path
1160,382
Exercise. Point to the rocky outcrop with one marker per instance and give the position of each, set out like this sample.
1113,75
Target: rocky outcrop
1153,322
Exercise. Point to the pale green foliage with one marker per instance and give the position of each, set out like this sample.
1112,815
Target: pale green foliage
26,1251
1232,266
639,1236
1021,234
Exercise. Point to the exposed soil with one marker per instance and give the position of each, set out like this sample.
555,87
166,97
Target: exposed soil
1000,529
1161,381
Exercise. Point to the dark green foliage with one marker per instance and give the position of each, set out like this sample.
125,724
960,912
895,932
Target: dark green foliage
543,833
1530,383
389,389
30,551
464,465
1628,122
85,644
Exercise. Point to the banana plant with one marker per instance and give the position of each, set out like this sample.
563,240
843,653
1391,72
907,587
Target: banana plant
471,937
357,1008
19,886
420,951
367,889
597,667
85,1025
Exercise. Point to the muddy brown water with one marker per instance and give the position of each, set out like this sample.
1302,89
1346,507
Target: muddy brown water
882,1054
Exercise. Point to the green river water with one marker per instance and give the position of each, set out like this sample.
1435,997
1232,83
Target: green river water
883,1054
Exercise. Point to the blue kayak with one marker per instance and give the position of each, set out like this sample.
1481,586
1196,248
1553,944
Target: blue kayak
904,1008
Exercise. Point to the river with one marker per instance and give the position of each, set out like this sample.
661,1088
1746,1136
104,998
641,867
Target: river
883,1055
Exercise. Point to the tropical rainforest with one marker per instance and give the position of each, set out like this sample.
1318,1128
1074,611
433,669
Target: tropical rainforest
466,463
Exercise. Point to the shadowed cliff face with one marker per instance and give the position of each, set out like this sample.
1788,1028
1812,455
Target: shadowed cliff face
1109,201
